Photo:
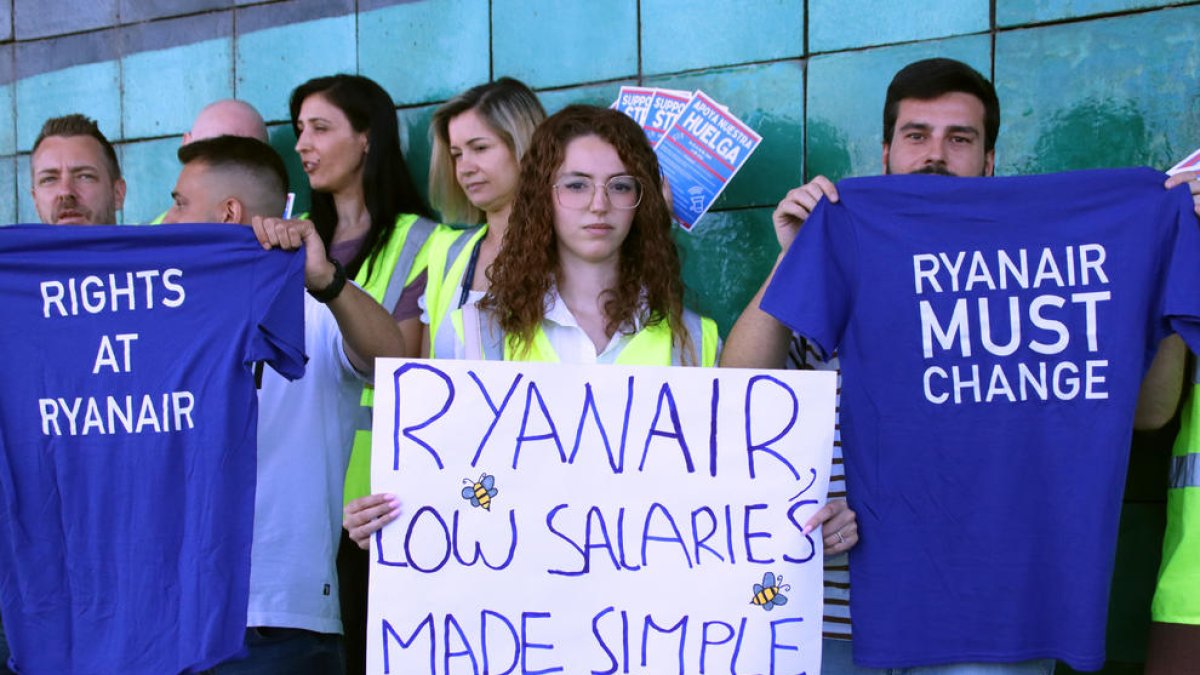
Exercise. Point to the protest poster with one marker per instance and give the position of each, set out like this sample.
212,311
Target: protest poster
635,102
663,110
127,437
606,519
1189,163
700,153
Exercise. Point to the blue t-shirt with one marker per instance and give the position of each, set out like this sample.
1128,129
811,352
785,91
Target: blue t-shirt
127,439
993,334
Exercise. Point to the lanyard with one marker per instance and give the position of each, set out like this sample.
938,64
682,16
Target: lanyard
469,274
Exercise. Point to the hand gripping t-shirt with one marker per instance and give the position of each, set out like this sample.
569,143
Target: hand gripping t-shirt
993,333
127,439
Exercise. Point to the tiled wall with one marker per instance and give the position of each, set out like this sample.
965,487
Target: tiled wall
1083,83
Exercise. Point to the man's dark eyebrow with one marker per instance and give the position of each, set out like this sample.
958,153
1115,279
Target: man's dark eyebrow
963,129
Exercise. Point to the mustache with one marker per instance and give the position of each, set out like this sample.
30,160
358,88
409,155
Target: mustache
936,170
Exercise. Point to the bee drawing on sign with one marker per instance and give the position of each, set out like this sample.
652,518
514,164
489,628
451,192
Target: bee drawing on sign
767,594
481,492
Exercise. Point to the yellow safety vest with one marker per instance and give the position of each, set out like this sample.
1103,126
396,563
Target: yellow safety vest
1177,597
651,346
405,250
449,253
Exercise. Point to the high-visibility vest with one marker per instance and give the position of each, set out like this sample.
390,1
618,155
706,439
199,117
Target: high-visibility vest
405,250
449,253
651,346
1177,598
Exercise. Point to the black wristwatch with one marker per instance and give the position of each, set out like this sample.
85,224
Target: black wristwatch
335,286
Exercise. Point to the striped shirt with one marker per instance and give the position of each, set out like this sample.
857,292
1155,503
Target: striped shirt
802,356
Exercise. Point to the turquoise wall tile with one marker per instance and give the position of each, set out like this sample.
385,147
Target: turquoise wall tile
718,34
283,139
151,168
417,144
8,190
546,43
769,98
1100,94
25,211
845,24
155,105
597,94
8,127
273,61
845,101
92,89
726,257
423,52
1019,12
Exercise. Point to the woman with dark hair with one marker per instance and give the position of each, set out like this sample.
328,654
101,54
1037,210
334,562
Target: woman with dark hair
364,202
373,222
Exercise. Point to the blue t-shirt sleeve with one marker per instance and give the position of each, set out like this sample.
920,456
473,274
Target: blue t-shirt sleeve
278,312
1182,304
813,289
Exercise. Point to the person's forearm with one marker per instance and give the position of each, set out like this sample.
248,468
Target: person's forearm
368,331
1163,385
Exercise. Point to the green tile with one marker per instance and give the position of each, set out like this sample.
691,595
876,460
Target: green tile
548,43
1018,12
845,101
408,49
283,139
596,94
8,190
417,144
769,98
846,24
25,211
8,128
273,61
723,34
1100,93
92,89
155,105
150,168
726,257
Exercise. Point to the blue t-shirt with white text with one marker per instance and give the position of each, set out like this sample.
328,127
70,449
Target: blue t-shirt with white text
993,334
127,439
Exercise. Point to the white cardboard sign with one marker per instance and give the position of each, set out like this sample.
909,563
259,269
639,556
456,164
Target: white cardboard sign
604,519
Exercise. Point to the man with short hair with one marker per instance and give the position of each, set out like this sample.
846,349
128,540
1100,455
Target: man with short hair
305,427
940,117
76,177
227,179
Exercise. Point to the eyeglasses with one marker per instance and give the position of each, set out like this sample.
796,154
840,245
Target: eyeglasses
577,192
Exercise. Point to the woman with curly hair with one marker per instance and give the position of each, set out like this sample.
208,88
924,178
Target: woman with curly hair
588,272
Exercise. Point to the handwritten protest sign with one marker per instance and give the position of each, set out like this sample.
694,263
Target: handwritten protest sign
700,153
597,519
